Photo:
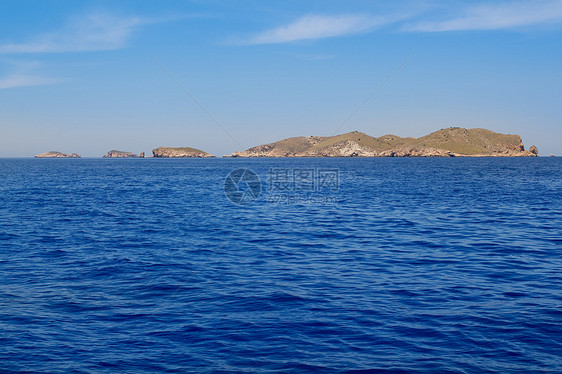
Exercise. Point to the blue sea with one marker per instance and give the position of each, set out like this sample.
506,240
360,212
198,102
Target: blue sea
393,265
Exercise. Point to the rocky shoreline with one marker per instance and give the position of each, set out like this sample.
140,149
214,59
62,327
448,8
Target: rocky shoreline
449,142
56,154
122,154
179,152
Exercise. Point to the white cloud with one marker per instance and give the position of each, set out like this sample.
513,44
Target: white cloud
318,27
96,32
24,80
498,16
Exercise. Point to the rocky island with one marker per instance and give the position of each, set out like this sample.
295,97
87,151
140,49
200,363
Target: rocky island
122,154
179,152
55,154
450,142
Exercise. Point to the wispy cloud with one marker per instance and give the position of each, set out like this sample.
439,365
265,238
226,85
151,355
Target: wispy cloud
497,16
24,80
308,56
319,27
24,74
95,32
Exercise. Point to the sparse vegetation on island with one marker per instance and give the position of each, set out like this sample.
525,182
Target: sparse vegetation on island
122,154
180,152
450,142
56,154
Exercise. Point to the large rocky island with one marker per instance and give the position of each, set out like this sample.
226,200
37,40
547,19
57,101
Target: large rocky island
55,154
450,142
179,152
122,154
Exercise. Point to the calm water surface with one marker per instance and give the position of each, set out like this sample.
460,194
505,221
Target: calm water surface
410,265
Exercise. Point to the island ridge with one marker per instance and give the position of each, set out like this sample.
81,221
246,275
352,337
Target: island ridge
450,142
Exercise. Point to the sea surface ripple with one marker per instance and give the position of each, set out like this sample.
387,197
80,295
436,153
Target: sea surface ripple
144,265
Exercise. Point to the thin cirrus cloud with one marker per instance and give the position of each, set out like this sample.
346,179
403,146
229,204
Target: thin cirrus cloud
319,27
497,16
24,80
95,32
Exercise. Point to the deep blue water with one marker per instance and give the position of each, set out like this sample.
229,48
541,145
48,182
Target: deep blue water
406,265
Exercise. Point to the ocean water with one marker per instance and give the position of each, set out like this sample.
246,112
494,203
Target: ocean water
379,266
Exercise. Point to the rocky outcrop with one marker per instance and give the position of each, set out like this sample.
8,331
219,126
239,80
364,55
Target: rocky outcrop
413,152
534,150
55,154
119,154
141,155
179,152
450,142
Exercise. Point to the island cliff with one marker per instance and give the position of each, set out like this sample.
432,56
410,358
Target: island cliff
55,154
179,152
450,142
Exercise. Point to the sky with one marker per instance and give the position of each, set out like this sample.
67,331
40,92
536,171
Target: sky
222,76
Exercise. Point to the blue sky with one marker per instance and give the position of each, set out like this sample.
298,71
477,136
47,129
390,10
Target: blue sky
78,76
